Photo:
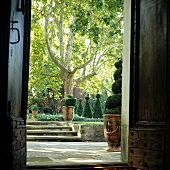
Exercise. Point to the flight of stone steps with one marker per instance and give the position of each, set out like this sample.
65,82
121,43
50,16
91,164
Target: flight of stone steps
50,131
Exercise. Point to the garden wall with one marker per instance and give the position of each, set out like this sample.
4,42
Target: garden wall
93,133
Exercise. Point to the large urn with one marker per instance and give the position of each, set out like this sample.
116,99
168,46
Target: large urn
68,113
112,131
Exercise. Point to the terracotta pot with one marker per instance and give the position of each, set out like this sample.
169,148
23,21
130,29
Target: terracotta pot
68,112
34,114
112,131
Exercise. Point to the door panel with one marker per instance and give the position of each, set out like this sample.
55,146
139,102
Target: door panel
152,61
148,84
13,143
15,63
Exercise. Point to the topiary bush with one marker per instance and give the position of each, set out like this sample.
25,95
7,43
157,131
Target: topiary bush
69,101
87,109
113,103
97,108
79,108
34,107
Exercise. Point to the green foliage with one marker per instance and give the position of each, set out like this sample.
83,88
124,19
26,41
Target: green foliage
75,108
69,101
118,64
45,101
87,109
97,108
98,22
117,86
40,63
49,117
29,116
32,100
116,110
79,109
113,102
118,74
59,117
78,118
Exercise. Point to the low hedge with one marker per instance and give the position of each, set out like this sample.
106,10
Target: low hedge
59,117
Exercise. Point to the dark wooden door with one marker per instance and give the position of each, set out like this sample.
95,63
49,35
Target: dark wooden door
15,63
149,82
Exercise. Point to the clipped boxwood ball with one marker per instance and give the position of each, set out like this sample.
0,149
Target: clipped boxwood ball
69,101
117,86
113,101
87,98
97,96
116,110
118,74
118,64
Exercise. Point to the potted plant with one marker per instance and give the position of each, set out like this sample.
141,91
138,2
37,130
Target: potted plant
34,110
68,107
112,113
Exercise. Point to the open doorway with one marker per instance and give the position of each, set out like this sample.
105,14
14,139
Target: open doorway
125,87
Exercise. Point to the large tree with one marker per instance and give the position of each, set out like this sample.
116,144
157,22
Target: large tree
75,41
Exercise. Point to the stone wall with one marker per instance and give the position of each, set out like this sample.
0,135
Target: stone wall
92,133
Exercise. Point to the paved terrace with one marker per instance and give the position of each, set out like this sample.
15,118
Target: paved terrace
70,154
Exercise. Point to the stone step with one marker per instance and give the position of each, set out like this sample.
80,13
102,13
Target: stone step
51,131
59,128
47,132
51,123
54,138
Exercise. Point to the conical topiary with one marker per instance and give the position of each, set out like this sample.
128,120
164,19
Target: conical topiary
113,103
87,109
97,108
79,109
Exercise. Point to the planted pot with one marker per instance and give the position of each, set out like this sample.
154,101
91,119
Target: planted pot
34,110
112,114
68,108
68,113
112,131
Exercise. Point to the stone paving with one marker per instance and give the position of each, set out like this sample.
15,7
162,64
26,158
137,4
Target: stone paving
70,154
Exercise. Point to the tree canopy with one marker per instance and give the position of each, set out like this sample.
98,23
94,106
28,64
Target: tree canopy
74,43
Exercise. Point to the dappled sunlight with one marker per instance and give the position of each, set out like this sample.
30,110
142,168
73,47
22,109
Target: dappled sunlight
70,153
37,150
72,143
83,160
77,151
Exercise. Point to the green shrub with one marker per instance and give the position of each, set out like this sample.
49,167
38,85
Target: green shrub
59,117
118,64
97,108
87,109
35,107
49,117
78,118
69,101
116,110
113,103
118,74
79,109
117,86
29,116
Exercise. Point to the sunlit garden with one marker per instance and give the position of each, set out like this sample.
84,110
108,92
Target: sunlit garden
74,48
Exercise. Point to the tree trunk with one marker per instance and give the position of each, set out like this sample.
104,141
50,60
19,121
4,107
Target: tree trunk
68,85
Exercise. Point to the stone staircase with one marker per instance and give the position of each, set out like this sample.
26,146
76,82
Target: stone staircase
50,131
